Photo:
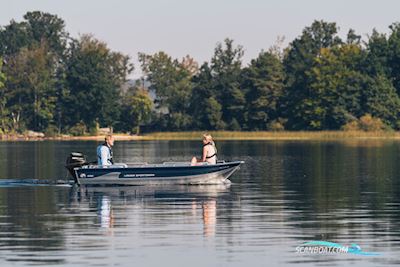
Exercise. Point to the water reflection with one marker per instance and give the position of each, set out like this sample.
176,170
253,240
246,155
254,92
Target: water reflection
29,227
105,212
285,194
203,198
209,208
209,215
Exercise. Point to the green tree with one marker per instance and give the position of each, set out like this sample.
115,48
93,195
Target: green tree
49,28
204,107
4,116
263,83
380,99
30,88
137,110
170,79
13,37
2,76
377,49
298,60
394,55
213,113
38,27
340,92
226,69
353,38
94,76
334,88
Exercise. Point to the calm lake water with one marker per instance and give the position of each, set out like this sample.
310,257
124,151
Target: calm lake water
287,193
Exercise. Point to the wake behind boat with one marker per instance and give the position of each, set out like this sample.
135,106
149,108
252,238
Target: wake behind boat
85,173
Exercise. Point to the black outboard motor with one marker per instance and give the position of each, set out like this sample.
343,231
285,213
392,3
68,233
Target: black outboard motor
75,159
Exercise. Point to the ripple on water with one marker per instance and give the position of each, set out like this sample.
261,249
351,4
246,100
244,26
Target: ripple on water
286,193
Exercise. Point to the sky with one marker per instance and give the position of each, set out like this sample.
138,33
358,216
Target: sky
189,27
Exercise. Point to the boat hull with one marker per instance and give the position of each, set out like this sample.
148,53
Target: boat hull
157,174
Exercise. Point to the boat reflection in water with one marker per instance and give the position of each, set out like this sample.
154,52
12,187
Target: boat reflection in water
105,212
209,209
200,202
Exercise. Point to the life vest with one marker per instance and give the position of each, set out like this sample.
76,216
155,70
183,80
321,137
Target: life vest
215,149
111,153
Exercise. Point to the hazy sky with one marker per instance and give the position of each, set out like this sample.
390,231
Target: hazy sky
181,27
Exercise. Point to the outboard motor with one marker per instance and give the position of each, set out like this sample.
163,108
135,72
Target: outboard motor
75,159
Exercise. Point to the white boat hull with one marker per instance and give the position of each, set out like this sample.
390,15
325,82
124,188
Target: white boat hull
161,175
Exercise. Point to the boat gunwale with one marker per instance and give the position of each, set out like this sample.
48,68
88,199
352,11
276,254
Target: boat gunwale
161,166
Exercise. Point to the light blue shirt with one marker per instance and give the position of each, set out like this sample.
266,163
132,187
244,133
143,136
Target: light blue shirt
103,155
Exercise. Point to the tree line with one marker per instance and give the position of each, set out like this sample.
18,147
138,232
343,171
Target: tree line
54,83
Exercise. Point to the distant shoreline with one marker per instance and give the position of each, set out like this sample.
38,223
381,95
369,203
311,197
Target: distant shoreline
223,135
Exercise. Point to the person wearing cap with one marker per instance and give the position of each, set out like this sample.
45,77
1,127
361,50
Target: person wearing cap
104,151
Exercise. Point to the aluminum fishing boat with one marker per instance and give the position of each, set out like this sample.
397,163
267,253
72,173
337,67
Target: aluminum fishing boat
85,173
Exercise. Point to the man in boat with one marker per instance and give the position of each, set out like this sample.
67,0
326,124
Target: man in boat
104,151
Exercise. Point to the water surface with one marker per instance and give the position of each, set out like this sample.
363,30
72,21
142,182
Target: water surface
287,193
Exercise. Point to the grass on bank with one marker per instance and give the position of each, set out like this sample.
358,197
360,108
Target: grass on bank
228,135
264,135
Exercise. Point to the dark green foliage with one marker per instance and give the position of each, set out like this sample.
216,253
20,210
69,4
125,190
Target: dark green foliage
377,55
55,84
353,38
30,90
202,90
381,101
94,75
33,51
171,81
226,69
5,123
263,83
298,61
37,28
334,88
394,55
136,110
204,106
51,131
45,27
78,129
14,37
217,89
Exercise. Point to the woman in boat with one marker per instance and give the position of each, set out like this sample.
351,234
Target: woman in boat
209,151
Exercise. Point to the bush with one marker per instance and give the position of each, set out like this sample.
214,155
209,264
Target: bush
371,124
78,129
93,131
366,123
351,126
179,121
234,125
51,131
275,126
